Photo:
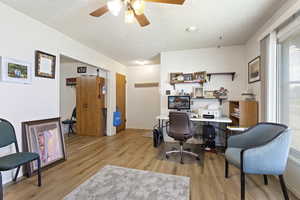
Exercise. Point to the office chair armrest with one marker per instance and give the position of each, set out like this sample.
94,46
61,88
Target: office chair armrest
269,158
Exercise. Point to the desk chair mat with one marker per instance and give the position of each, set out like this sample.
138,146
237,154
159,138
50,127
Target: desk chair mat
187,159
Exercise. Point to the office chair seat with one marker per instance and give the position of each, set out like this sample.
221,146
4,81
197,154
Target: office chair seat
16,159
68,121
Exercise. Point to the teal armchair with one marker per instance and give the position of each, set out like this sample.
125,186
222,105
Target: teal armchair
14,160
262,149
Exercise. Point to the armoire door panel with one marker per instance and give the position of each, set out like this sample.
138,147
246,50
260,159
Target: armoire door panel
90,106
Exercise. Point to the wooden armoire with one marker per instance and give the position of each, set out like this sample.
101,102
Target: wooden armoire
243,113
90,104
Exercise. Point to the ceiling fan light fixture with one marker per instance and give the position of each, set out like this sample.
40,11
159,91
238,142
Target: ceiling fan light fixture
141,62
129,16
139,6
114,6
192,29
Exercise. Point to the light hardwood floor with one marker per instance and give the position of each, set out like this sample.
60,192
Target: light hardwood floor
87,155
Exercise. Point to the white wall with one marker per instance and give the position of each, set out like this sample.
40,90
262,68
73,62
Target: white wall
252,50
20,37
143,104
253,44
225,59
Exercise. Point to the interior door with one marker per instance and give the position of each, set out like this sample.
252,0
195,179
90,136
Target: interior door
121,99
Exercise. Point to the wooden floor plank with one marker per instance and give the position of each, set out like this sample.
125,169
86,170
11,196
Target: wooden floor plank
87,155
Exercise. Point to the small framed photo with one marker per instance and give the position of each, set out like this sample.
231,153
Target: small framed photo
254,71
81,70
45,138
15,71
45,65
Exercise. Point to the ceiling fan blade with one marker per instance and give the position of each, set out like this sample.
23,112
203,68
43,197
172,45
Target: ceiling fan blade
142,19
180,2
99,12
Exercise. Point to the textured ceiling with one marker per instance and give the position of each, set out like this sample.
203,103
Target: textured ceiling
235,20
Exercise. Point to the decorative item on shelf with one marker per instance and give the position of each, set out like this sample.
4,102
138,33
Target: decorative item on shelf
198,92
81,70
209,94
188,77
180,78
176,77
45,65
221,93
200,76
254,70
45,138
181,93
15,71
70,81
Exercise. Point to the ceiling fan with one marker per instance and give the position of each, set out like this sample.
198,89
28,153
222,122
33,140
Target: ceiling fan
134,9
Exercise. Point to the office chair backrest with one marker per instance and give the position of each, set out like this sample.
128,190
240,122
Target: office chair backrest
7,134
179,125
73,114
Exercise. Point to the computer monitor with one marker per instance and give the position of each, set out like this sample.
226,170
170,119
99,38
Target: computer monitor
179,102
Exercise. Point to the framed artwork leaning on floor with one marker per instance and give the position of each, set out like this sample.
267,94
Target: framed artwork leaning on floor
45,138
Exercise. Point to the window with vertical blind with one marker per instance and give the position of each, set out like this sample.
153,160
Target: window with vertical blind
289,83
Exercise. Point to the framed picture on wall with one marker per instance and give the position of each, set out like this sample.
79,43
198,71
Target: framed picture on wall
45,138
15,71
254,72
45,65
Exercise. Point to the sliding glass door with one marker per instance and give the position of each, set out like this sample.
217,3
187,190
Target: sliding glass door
289,85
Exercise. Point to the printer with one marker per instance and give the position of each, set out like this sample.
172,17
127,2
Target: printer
212,112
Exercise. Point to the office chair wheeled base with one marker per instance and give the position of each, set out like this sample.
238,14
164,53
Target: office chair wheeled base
182,151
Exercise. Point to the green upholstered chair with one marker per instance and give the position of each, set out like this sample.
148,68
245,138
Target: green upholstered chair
14,160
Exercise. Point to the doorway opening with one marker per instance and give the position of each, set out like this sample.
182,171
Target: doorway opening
83,98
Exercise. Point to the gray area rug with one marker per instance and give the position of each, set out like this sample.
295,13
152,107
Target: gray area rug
187,159
119,183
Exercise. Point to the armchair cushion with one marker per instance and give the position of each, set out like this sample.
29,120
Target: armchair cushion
270,158
233,155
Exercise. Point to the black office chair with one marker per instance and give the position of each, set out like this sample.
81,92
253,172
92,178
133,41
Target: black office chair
14,160
71,122
181,129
